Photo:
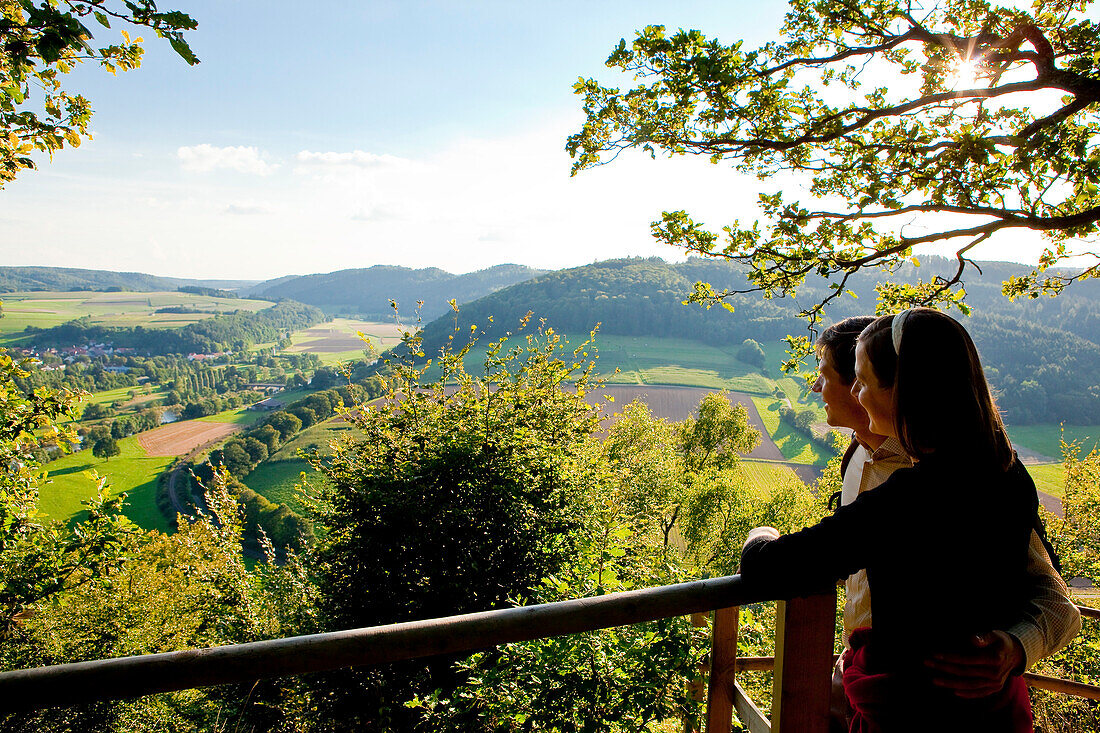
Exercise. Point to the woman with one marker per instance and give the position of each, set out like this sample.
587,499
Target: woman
944,543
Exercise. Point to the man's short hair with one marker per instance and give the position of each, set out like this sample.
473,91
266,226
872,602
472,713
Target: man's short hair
840,341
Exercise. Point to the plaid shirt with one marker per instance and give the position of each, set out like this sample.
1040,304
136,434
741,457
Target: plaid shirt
1051,620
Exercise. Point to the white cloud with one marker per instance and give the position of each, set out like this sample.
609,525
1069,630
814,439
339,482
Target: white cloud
471,204
246,209
356,158
205,158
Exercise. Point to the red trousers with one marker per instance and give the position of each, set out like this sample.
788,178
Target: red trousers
884,703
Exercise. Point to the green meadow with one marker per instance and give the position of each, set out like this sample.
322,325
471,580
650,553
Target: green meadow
653,360
240,416
1050,478
69,483
1046,439
277,477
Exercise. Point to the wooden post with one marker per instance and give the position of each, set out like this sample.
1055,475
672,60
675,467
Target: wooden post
804,632
723,658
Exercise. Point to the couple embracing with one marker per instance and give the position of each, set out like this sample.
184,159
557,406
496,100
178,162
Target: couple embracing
951,587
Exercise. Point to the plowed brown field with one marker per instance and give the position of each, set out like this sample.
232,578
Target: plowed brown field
180,438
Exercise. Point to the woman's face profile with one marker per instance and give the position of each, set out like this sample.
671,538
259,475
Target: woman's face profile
878,401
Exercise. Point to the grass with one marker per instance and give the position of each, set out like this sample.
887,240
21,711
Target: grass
316,435
132,472
275,480
652,360
47,309
1050,478
121,394
1046,438
239,416
794,446
763,476
276,477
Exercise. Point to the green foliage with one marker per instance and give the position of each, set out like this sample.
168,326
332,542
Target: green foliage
162,593
39,559
751,353
1076,535
45,41
1076,538
457,496
621,679
962,155
105,448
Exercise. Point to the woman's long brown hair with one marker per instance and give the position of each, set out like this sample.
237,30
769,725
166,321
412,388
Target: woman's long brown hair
942,401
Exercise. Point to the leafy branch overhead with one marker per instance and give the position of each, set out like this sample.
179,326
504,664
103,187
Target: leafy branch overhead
41,43
954,122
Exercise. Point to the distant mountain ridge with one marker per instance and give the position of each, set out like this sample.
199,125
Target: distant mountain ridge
1042,355
13,279
367,291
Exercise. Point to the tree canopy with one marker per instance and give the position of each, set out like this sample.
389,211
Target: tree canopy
40,43
957,122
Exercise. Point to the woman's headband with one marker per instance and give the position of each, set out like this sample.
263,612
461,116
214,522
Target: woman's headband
896,327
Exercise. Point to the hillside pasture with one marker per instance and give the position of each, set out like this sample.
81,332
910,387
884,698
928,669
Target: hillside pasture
1049,478
656,360
1046,439
45,309
277,481
276,478
132,471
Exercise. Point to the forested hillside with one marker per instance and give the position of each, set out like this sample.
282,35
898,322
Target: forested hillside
14,279
367,292
1043,356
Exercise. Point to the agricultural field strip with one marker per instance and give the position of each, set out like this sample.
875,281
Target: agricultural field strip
177,439
46,309
341,335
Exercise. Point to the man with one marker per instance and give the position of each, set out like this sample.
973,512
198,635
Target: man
1053,619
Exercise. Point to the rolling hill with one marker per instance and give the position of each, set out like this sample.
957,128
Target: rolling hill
1042,356
13,279
367,292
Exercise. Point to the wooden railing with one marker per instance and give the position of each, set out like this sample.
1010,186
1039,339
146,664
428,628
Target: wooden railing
805,632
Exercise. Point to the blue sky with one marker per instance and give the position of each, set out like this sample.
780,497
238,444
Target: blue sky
326,135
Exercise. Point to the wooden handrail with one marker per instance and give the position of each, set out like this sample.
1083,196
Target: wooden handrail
1089,612
123,677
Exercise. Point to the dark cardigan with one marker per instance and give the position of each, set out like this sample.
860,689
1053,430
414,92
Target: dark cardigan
945,548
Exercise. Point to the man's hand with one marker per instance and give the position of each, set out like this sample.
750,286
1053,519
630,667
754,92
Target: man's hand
984,670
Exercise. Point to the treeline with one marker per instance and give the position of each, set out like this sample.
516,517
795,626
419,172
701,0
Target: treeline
184,381
1043,356
73,279
241,454
628,297
235,332
209,292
